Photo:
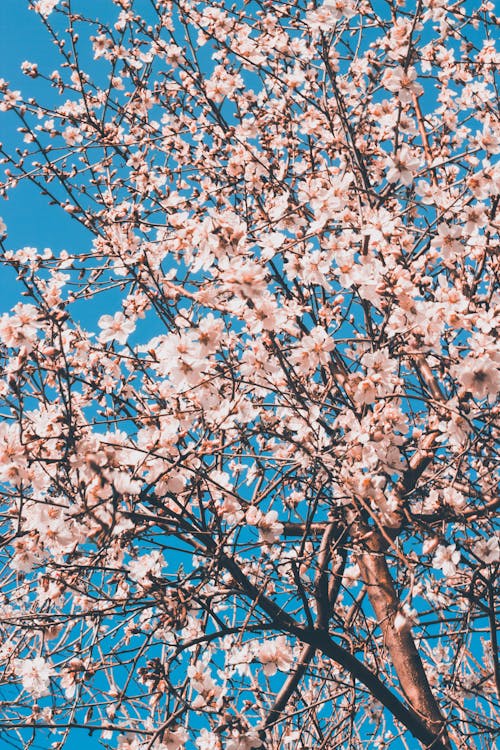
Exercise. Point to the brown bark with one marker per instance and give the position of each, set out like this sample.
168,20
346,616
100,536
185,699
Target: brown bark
400,644
380,587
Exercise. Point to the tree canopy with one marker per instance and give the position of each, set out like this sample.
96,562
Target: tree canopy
249,433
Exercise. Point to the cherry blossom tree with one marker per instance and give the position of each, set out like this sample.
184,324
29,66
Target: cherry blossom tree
248,433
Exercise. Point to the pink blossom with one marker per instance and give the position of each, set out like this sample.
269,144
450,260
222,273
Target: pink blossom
475,218
480,376
208,740
35,674
10,99
115,328
20,329
274,655
45,7
488,550
313,349
244,740
403,83
146,566
447,559
173,739
128,741
402,166
270,529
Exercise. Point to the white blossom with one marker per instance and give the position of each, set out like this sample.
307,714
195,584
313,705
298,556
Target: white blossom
115,328
488,550
447,559
35,674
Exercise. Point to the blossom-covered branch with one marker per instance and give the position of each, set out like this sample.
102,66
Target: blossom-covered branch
249,429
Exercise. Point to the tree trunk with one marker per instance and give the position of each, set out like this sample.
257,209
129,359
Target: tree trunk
399,642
